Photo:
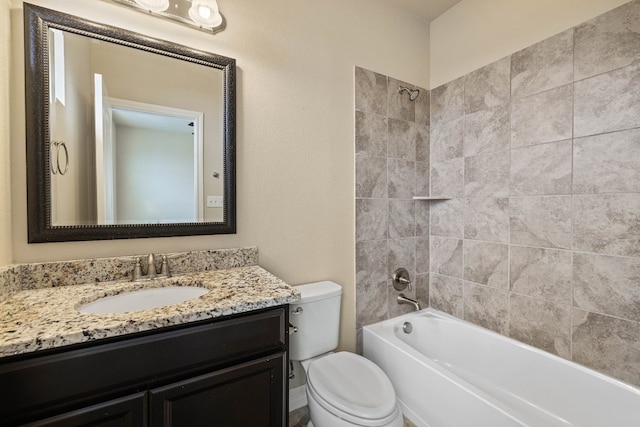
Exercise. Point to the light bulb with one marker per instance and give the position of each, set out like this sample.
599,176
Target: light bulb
205,13
154,5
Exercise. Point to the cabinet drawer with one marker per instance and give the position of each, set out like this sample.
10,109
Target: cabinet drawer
45,385
129,411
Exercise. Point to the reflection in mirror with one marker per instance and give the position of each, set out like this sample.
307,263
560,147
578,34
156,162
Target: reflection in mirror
139,133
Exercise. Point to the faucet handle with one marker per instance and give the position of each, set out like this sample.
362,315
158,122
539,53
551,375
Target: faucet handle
164,269
137,271
401,279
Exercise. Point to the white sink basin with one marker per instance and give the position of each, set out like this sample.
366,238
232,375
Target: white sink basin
143,300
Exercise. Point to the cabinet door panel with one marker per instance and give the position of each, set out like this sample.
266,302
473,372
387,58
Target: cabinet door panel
250,394
129,411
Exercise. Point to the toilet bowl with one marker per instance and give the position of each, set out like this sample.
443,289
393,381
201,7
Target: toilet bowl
347,390
343,389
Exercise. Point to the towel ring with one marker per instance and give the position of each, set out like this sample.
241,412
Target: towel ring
66,158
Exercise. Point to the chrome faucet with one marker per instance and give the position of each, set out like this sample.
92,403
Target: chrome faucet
152,272
404,300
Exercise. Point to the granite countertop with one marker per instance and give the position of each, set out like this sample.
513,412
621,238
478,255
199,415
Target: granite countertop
41,319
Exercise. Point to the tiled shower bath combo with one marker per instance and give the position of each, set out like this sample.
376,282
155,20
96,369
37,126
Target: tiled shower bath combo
539,153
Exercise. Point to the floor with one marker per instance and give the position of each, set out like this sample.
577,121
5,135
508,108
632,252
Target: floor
300,418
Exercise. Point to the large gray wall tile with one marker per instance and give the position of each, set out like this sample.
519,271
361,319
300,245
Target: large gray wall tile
423,142
544,117
447,102
371,177
543,169
446,256
422,255
486,307
541,324
487,131
371,261
402,253
541,273
447,218
486,263
402,140
371,91
541,221
423,211
610,41
487,219
488,86
401,218
607,284
422,289
487,175
446,139
423,179
402,178
447,178
371,134
607,224
445,294
371,303
371,219
543,66
608,102
608,163
607,344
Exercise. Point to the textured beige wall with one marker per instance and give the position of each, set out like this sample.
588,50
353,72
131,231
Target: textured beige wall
295,129
5,188
475,33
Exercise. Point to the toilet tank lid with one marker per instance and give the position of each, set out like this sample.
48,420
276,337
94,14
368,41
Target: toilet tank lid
318,291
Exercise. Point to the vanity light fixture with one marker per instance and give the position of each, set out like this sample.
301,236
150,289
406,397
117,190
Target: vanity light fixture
201,14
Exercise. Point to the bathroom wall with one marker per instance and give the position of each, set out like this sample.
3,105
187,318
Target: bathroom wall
540,152
5,169
475,33
392,166
295,177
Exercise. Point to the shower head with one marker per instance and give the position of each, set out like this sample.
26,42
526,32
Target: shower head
413,94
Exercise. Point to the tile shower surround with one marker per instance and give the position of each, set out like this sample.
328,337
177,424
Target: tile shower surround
541,154
392,165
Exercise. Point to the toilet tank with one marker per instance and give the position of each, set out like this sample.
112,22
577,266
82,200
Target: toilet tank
317,317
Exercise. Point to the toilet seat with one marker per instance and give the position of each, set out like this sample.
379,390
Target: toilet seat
352,388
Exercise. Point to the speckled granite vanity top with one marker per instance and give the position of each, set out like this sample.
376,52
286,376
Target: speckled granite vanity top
38,319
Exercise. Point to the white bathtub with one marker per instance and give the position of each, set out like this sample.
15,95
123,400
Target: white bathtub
448,372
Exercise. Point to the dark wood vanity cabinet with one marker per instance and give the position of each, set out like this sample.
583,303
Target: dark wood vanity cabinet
230,371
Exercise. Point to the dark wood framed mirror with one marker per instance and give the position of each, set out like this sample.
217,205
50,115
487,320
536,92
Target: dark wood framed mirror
127,136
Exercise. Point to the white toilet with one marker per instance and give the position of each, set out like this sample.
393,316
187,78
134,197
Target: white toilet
343,389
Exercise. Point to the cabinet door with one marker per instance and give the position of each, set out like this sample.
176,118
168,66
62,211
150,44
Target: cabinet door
249,394
129,411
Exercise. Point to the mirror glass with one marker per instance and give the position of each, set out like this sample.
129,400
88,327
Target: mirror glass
129,136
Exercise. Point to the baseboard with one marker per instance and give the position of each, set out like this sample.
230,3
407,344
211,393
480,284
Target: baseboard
297,398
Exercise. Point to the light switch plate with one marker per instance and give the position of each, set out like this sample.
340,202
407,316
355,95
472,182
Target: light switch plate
214,201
